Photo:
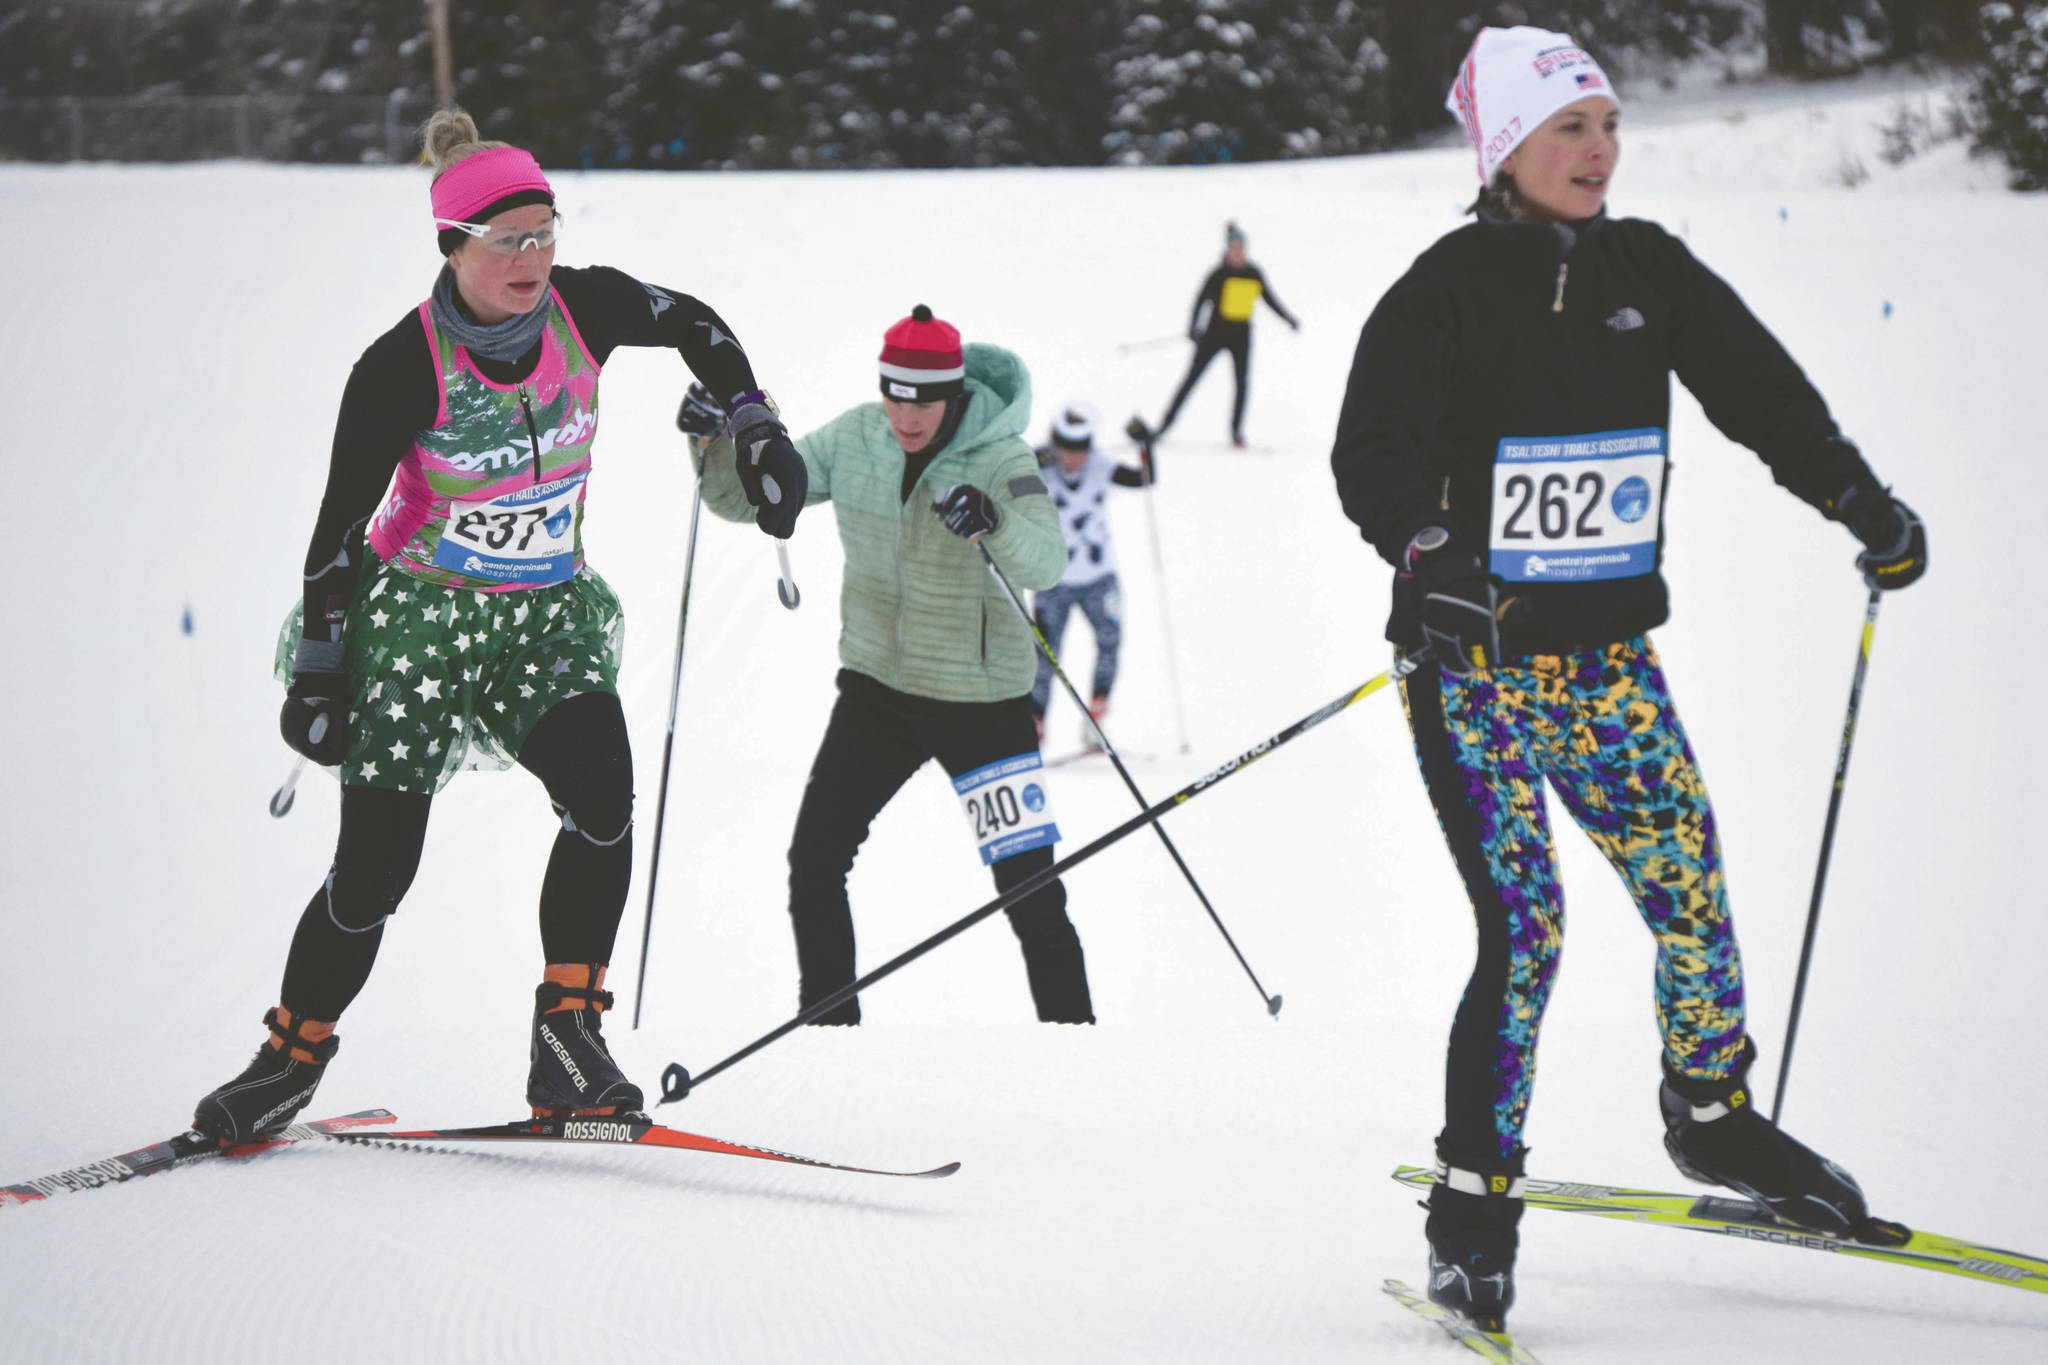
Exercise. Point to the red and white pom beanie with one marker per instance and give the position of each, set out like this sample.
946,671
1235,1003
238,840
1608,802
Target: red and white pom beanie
1512,80
921,359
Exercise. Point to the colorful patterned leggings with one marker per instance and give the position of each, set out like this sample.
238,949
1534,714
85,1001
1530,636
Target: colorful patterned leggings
1599,725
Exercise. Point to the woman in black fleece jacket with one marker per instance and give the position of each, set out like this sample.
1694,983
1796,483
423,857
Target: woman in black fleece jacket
1503,443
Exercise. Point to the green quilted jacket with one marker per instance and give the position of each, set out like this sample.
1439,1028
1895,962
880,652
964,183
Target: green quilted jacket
918,611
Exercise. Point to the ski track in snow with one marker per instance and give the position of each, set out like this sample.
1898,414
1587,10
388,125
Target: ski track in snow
1189,1181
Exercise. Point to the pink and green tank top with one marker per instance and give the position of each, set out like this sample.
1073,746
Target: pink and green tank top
491,496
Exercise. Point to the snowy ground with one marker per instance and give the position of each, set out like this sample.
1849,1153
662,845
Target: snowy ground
1190,1181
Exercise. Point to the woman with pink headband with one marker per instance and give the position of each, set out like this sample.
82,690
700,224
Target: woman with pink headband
1503,445
449,620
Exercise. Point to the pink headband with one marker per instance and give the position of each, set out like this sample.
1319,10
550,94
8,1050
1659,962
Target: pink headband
483,178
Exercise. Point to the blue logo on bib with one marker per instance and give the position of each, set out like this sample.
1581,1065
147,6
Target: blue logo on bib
1631,498
1034,797
558,524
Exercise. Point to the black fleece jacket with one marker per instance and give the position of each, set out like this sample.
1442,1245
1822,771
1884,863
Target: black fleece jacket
394,392
1535,329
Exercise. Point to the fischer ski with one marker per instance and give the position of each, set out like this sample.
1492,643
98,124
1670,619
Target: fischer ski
632,1130
1728,1216
1495,1346
182,1150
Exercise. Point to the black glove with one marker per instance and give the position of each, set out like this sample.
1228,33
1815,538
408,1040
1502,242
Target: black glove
700,415
967,511
1461,608
770,470
1894,540
314,720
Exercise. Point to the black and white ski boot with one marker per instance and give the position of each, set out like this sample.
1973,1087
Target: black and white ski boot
1716,1136
572,1072
1473,1217
274,1087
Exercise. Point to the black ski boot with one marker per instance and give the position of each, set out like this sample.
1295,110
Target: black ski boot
572,1072
1473,1215
275,1085
1716,1136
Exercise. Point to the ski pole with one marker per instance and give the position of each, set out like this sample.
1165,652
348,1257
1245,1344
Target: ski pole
676,1081
1272,1001
1127,347
668,749
1827,845
785,586
281,799
1180,713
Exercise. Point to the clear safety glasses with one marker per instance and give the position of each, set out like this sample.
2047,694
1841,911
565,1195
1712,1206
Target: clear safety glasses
510,241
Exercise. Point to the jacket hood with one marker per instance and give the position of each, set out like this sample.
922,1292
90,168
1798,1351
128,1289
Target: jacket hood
1002,397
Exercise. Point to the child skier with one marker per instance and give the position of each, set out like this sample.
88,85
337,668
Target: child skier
1079,476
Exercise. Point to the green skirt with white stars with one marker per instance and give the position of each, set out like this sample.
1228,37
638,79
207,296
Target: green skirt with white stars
447,679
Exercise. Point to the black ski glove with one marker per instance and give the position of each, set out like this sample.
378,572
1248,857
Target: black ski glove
967,511
1894,540
701,415
1461,607
314,720
771,472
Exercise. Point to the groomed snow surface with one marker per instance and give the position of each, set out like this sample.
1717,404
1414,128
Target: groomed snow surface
1190,1181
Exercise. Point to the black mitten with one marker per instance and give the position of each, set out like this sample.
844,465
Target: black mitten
771,471
314,720
967,511
1462,608
1894,540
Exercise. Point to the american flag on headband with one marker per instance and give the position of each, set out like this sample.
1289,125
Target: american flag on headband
1589,80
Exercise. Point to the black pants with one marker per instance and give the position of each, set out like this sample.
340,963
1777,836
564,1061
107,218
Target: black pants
580,753
1234,337
876,739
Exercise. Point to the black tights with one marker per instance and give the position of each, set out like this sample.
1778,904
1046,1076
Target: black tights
580,753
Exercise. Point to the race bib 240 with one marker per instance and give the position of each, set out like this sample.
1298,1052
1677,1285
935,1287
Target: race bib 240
1008,807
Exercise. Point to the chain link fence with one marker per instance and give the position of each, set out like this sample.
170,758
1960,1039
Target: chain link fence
319,128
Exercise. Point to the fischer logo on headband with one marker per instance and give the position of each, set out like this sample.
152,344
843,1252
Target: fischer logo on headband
1513,79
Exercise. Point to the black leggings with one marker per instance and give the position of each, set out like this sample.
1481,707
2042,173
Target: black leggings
580,753
1234,338
876,739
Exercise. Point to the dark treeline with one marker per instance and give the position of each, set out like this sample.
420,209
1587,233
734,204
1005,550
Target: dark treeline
804,83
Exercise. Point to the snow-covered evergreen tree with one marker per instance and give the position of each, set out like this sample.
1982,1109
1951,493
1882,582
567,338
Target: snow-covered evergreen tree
2011,96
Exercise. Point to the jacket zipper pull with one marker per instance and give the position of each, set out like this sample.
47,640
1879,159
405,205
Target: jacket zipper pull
1557,304
532,431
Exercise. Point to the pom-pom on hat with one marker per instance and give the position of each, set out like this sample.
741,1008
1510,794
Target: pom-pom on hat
921,359
1073,427
1233,235
1511,81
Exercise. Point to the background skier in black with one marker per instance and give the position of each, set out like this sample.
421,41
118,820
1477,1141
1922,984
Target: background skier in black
1222,321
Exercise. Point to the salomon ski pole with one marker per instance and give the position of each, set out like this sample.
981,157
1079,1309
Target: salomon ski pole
1045,648
1827,846
668,748
676,1081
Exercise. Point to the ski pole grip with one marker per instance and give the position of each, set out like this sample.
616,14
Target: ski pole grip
675,1083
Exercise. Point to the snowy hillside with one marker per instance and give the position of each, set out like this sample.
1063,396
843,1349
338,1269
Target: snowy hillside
1190,1181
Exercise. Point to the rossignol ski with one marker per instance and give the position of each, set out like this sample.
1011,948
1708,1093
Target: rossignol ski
1495,1346
632,1130
1726,1216
182,1150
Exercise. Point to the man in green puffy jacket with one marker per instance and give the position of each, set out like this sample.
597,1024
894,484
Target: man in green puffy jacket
937,661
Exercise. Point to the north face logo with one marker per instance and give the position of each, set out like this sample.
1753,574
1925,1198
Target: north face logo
1625,320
